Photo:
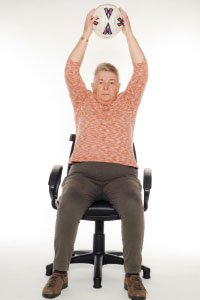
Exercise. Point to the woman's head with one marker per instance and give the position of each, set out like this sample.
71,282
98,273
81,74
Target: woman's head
106,82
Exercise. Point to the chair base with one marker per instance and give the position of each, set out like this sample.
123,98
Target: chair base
98,257
98,260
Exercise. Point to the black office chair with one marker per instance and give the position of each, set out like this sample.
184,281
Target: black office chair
99,212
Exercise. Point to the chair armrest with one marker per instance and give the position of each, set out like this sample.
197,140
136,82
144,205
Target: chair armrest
54,182
147,183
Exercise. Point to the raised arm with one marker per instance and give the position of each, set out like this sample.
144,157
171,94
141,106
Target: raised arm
137,83
77,89
78,52
136,53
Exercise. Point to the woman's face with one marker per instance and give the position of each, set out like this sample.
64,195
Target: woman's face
105,86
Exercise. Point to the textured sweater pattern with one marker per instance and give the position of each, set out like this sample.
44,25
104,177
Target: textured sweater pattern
104,132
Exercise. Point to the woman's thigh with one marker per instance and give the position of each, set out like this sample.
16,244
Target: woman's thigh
124,193
78,193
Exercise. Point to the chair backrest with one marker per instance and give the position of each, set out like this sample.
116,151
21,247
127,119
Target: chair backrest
73,139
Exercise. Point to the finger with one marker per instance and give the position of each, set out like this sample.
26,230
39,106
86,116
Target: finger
124,14
123,11
91,12
94,19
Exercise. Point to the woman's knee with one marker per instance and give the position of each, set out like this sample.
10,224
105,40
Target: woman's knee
131,204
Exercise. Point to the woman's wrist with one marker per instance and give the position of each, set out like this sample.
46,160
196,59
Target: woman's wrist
84,39
86,34
128,32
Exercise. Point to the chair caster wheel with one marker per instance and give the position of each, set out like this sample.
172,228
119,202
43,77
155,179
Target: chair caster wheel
146,272
146,275
97,283
49,270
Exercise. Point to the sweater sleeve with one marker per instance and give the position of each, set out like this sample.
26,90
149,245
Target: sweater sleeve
136,85
76,87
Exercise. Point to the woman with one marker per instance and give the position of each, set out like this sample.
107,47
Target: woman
102,161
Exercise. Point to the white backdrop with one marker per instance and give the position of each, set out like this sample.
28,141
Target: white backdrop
37,118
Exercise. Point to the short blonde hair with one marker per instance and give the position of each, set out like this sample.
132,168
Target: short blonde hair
106,67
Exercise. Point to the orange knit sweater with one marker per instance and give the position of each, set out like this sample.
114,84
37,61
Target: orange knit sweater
104,132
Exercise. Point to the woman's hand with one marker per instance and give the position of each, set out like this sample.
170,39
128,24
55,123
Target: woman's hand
127,25
78,52
88,26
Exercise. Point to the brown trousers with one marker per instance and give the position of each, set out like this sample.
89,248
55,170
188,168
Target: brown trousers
86,183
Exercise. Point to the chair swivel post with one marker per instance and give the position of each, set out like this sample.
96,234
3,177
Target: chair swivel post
99,238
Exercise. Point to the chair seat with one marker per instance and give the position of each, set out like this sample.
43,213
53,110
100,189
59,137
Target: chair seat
101,210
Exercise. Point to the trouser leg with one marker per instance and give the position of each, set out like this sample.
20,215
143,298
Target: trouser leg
124,193
77,195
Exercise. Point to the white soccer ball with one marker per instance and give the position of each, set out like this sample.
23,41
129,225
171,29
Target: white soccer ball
110,21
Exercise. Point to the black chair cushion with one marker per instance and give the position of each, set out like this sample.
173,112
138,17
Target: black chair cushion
101,210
